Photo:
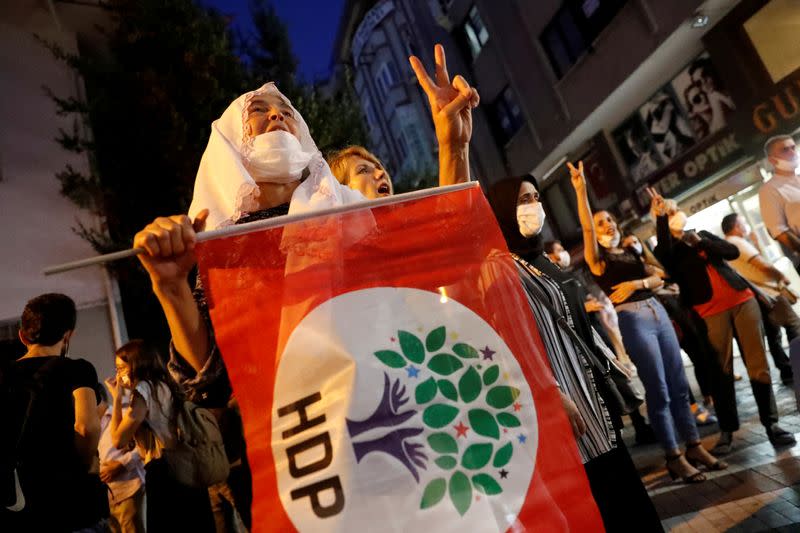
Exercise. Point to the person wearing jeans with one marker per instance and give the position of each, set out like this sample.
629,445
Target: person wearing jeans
650,339
647,334
697,262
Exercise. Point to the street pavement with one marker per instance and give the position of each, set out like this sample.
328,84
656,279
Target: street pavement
760,491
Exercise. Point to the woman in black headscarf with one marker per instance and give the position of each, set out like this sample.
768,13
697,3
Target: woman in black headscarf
615,483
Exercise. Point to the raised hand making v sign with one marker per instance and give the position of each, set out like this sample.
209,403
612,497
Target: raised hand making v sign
451,108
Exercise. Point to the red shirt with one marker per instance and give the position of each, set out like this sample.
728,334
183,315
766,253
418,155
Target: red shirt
723,296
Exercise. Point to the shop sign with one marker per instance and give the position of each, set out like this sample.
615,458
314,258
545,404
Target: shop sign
704,160
777,112
720,190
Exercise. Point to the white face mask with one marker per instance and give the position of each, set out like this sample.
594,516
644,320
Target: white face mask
747,229
786,165
564,259
530,218
277,157
678,221
125,380
609,241
637,248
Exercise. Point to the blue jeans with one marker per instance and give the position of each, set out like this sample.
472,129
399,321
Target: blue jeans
650,340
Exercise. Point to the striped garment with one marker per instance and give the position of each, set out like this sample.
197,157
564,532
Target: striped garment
570,368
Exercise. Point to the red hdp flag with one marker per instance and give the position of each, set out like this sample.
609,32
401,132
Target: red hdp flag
390,374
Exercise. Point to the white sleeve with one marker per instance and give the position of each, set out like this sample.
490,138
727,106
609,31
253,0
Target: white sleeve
746,250
771,204
144,390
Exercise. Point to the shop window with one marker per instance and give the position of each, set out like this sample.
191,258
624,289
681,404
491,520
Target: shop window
576,24
507,115
475,32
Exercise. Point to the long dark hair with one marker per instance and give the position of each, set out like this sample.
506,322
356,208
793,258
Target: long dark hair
146,366
503,197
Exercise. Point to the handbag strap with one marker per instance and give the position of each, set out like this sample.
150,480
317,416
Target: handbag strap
562,323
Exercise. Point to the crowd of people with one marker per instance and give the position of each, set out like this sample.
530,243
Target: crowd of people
88,456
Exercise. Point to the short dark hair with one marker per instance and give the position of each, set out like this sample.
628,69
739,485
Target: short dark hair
47,318
729,222
549,246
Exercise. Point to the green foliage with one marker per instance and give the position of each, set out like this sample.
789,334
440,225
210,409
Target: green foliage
333,115
269,51
168,71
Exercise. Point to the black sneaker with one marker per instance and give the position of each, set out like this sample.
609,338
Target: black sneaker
724,445
787,377
779,436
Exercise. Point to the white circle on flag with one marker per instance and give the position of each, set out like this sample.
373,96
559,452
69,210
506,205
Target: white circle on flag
397,409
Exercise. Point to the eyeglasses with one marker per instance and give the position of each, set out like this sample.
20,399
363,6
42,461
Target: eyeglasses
529,198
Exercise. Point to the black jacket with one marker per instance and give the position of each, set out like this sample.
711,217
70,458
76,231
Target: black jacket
687,267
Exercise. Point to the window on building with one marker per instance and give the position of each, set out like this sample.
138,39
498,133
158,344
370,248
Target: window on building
576,24
415,142
372,120
507,115
402,145
475,32
386,79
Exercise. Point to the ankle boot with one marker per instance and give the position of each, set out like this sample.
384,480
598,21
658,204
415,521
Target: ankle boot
765,400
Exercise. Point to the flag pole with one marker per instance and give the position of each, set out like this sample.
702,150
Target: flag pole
241,229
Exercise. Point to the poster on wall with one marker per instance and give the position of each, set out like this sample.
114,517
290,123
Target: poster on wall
700,91
637,149
668,128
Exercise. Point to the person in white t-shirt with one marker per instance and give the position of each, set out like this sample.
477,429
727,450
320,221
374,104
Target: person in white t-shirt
123,473
779,198
777,310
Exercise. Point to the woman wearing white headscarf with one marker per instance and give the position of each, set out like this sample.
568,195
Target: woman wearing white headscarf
260,162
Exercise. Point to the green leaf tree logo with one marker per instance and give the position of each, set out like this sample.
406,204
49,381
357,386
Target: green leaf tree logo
457,389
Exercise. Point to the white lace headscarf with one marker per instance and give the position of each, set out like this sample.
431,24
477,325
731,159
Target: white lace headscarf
225,187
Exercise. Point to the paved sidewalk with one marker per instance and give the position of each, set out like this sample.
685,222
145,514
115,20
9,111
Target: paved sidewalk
760,491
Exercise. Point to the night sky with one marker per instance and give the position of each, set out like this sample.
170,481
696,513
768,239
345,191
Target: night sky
312,28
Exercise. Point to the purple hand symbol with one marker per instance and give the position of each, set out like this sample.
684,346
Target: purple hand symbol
386,414
395,444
